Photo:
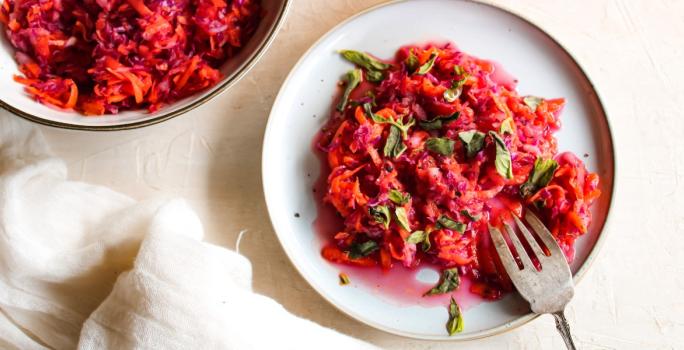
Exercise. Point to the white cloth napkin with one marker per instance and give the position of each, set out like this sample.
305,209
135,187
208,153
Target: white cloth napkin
84,267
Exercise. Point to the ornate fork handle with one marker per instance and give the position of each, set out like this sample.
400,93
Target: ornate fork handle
564,329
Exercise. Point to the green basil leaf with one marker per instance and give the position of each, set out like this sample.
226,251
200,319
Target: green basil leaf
434,124
543,171
532,102
441,145
451,118
473,141
393,139
398,149
383,120
405,127
540,176
402,218
375,76
453,93
416,237
379,119
360,250
380,214
368,108
502,162
344,279
398,198
445,221
353,79
428,65
364,60
437,122
421,237
471,217
507,126
450,281
450,95
412,61
455,323
426,243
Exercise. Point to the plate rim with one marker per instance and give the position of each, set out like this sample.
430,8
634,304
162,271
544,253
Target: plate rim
217,90
503,328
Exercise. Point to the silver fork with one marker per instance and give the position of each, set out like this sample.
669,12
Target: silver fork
548,291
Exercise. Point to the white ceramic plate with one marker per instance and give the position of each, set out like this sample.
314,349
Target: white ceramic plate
290,167
14,99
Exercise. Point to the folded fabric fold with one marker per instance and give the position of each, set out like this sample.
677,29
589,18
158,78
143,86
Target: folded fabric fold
83,266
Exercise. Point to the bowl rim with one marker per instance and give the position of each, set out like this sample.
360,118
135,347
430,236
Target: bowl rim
503,328
215,91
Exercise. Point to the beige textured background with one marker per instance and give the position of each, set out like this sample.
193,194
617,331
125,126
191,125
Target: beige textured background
633,297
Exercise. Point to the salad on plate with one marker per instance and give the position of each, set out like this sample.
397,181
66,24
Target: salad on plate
426,150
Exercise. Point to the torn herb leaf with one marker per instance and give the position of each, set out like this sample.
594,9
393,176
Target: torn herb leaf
364,60
427,66
473,141
540,176
398,198
380,214
455,323
453,93
441,145
449,281
507,126
394,146
398,150
416,237
532,102
426,242
451,224
450,118
405,127
434,124
402,218
353,79
385,120
368,108
375,76
437,122
412,61
422,238
502,162
471,217
359,250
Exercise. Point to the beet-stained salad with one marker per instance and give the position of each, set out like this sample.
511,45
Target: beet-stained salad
428,149
98,57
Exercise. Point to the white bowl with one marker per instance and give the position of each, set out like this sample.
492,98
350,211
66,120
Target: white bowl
291,168
14,99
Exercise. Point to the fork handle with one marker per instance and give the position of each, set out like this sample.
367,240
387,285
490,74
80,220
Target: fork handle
564,329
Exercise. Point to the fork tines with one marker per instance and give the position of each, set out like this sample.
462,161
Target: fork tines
540,252
549,289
